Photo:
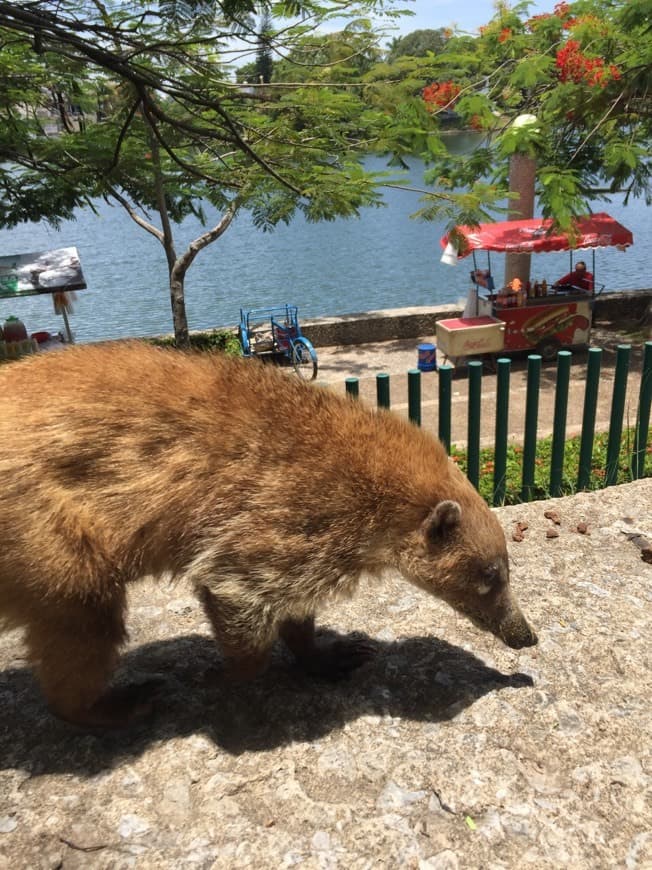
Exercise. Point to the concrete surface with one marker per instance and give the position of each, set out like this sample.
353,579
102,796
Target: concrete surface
446,751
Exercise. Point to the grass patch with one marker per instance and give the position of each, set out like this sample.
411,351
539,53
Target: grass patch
541,490
215,339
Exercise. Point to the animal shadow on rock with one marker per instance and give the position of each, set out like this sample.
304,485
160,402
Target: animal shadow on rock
416,678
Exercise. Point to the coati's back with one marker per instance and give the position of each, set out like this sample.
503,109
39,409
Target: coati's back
120,456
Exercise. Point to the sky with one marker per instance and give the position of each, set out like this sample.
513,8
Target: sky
467,15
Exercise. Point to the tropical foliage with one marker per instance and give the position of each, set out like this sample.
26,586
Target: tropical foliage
584,72
153,112
149,117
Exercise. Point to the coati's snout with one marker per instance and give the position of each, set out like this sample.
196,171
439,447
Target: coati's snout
503,619
516,632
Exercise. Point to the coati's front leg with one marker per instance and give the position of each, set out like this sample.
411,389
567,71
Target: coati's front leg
246,632
329,658
73,646
243,634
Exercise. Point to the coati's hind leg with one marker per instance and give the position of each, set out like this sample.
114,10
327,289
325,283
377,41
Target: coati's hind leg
327,658
73,646
245,635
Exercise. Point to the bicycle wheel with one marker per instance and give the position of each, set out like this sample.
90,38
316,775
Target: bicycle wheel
304,359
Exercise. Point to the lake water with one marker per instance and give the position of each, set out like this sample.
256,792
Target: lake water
384,259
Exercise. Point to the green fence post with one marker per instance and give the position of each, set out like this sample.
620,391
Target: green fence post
531,420
643,415
352,387
617,411
588,417
445,375
502,417
559,422
473,424
414,396
382,390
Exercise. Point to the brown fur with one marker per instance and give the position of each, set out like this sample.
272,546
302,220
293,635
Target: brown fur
267,494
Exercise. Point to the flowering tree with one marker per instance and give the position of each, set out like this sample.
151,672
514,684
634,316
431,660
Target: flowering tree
583,72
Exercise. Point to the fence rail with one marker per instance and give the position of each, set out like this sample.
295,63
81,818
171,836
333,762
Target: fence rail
626,446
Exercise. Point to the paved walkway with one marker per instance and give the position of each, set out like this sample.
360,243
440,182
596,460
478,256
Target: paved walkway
397,357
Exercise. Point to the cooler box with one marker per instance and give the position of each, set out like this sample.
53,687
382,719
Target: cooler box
465,336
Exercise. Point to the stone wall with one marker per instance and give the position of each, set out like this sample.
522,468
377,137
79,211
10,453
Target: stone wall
397,323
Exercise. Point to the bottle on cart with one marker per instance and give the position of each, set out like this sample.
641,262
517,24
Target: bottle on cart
544,287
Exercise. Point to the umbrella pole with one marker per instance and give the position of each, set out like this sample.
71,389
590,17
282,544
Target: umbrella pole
66,323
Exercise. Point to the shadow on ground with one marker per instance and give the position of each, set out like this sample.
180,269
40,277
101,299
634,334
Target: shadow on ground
420,678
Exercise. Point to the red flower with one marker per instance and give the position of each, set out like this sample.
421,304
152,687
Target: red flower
504,35
574,66
440,95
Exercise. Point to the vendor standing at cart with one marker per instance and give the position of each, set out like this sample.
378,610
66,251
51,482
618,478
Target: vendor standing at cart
578,279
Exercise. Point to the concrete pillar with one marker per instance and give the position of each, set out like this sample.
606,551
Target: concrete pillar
522,173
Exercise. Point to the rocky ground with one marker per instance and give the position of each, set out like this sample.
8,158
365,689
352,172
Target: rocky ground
446,751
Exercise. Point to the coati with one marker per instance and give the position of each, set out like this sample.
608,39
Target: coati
268,495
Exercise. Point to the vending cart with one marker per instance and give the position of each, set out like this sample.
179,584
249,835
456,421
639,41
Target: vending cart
537,316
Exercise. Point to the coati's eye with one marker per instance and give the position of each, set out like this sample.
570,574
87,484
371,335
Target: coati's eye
490,578
491,573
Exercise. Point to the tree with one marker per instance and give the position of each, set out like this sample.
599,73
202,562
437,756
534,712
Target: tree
264,61
584,73
341,57
418,43
172,131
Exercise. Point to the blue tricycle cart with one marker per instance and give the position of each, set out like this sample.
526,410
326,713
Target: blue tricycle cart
273,334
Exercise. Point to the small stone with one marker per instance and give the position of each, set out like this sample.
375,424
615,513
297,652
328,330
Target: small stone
583,529
132,824
446,860
552,533
517,536
321,841
628,771
7,824
395,798
553,516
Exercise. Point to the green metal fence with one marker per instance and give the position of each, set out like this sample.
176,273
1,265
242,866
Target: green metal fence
625,452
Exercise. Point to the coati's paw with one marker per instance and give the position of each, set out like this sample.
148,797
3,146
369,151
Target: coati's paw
335,658
119,707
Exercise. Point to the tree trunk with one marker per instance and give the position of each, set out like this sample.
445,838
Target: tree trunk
177,275
178,304
522,174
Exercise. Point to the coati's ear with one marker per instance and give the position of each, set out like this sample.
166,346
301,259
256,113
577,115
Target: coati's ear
441,520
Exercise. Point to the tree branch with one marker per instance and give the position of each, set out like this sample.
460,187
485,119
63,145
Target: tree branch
185,260
133,214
